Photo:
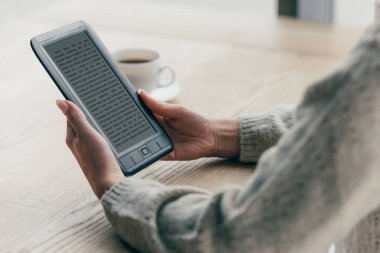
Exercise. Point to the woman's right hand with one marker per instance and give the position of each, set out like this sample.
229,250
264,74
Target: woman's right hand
194,136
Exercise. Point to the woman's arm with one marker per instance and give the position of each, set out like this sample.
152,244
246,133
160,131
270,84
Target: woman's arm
157,218
133,206
195,136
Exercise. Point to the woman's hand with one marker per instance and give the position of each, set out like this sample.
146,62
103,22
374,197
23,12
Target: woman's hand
194,136
90,149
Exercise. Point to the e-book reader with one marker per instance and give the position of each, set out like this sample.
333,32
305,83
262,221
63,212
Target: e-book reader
85,73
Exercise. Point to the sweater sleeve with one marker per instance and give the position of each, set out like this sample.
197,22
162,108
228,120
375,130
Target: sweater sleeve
364,237
260,131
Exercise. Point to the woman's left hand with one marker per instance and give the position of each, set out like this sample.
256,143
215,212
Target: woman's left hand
90,149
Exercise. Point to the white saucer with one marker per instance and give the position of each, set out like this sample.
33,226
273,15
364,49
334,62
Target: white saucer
165,94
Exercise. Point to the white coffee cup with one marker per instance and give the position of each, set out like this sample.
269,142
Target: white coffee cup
143,68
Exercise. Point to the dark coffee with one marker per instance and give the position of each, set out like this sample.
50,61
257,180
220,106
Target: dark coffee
134,60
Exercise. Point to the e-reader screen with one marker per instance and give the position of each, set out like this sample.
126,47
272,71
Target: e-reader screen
100,90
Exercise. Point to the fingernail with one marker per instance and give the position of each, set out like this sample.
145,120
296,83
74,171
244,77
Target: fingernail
139,91
62,105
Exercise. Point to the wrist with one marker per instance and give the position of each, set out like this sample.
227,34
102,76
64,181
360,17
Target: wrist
103,184
226,138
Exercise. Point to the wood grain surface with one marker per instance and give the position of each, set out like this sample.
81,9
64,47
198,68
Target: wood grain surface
227,62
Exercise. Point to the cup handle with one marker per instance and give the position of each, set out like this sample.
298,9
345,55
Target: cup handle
162,69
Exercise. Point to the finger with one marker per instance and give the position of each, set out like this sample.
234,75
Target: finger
169,157
166,124
160,119
165,158
160,108
62,106
70,135
75,116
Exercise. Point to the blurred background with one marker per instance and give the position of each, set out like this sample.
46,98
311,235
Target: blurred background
352,13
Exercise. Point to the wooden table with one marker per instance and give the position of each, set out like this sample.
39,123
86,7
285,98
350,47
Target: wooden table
227,62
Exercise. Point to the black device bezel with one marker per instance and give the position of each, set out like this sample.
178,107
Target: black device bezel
37,43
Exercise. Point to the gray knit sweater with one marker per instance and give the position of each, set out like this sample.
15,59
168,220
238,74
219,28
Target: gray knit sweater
311,186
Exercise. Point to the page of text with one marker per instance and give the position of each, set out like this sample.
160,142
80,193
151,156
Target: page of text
100,90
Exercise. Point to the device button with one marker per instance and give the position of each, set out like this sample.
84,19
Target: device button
153,146
136,156
162,142
145,151
127,162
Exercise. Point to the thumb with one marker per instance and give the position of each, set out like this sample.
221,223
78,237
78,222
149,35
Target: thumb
160,108
74,116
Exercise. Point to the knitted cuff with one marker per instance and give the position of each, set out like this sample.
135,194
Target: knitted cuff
250,148
260,131
130,208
